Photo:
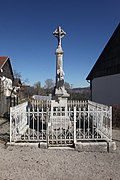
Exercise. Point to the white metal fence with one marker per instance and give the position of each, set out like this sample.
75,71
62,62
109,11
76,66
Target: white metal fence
84,120
94,122
18,121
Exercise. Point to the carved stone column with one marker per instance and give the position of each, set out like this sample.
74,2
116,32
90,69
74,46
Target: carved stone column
59,87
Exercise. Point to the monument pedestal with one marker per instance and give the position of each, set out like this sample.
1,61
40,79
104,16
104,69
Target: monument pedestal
59,119
61,93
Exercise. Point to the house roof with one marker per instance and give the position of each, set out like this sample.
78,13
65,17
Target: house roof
24,87
5,64
108,62
3,60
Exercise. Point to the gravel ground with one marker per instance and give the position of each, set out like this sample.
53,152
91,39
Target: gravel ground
30,163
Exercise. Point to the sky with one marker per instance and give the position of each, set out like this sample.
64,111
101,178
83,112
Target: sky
26,36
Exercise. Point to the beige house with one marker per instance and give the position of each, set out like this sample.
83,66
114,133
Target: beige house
6,85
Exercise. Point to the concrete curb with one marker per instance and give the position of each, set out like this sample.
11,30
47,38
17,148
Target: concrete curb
79,146
23,144
95,146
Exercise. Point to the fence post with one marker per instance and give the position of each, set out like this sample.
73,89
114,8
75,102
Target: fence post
110,123
10,125
74,125
47,127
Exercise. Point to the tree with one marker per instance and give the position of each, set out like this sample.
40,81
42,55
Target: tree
17,75
49,83
37,87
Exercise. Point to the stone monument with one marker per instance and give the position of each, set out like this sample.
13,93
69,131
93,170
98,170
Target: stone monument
59,118
60,91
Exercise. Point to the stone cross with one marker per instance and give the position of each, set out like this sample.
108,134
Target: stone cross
59,34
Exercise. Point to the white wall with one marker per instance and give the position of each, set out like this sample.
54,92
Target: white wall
106,89
7,85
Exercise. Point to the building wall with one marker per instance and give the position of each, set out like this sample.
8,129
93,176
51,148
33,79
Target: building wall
7,86
106,90
5,93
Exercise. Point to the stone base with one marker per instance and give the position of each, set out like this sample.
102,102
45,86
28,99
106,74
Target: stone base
111,146
95,146
43,145
61,94
59,119
59,102
23,144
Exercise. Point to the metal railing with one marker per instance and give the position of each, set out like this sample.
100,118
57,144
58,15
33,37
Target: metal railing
40,103
103,120
18,121
82,121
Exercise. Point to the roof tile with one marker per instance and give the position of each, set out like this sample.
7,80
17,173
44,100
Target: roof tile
3,60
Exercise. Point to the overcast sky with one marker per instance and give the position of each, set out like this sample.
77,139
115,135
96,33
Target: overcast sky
26,28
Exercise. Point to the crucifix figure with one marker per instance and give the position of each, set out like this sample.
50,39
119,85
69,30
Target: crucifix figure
59,34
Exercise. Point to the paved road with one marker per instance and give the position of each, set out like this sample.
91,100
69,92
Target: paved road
30,163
